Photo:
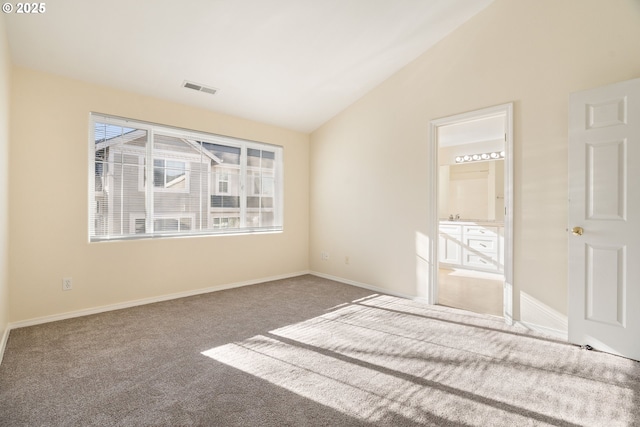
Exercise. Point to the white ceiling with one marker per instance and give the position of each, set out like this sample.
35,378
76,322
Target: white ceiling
292,63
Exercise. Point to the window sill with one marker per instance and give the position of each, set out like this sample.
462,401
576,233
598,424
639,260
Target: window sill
221,233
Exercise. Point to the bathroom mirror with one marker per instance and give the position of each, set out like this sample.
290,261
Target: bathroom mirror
472,191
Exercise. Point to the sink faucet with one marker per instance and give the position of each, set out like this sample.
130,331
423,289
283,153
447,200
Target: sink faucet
450,217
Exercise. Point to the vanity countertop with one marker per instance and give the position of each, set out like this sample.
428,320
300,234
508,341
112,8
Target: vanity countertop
472,221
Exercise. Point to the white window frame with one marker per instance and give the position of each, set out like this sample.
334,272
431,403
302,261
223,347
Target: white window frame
206,226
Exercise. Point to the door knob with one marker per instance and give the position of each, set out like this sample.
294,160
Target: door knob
577,231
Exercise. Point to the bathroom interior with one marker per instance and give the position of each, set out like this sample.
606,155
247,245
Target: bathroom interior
471,207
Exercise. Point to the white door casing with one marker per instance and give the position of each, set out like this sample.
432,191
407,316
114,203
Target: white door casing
604,203
506,111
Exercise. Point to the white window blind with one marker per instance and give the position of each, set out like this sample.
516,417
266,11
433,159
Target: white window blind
148,180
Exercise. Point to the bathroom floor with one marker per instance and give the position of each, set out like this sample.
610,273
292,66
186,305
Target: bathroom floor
471,290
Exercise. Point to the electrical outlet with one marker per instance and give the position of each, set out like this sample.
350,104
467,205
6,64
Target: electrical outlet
324,256
346,260
67,284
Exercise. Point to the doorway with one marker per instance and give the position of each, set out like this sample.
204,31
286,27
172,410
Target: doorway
471,199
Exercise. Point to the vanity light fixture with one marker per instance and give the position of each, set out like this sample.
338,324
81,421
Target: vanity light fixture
481,156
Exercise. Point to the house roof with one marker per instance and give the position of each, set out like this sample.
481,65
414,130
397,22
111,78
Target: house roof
110,135
107,135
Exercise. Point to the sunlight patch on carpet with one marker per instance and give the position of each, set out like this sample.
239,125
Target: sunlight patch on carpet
387,357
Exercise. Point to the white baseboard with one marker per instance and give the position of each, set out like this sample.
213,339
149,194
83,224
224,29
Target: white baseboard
562,335
144,301
367,286
3,341
555,333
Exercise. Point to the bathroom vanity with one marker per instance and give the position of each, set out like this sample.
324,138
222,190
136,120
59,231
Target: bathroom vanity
472,244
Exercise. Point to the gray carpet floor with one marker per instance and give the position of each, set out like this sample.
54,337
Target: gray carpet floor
306,352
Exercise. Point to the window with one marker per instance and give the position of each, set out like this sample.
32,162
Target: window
223,182
200,183
225,222
169,174
162,223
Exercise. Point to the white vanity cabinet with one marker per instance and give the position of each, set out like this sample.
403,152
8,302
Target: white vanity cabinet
472,245
450,244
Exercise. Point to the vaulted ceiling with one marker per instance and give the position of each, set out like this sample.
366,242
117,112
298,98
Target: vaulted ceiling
291,63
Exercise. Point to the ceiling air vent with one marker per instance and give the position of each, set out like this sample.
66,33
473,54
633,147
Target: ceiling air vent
199,88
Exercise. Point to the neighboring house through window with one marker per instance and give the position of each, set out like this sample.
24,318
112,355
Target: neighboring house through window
172,223
202,183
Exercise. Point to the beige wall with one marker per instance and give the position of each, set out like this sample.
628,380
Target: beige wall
48,206
4,180
369,163
368,169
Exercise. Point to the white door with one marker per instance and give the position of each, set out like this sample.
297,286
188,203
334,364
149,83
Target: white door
604,218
